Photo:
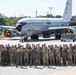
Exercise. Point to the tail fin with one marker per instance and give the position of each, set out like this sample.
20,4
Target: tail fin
68,10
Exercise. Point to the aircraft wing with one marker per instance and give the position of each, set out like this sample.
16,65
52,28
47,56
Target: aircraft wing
8,27
60,29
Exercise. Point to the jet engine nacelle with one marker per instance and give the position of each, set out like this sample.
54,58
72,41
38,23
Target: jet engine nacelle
9,32
69,31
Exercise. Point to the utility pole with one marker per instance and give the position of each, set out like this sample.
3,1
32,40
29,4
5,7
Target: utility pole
36,13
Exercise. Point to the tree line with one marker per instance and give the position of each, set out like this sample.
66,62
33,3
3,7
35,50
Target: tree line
11,21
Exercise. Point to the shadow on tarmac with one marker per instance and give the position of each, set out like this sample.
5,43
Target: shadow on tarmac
39,40
29,40
37,67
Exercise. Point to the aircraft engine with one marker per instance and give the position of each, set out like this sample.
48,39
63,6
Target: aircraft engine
68,31
9,32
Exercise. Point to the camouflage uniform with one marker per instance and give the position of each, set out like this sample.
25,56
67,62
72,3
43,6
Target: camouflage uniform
33,56
61,49
15,48
70,56
51,56
0,55
5,56
45,56
58,56
19,57
38,55
12,56
64,54
75,55
26,56
55,48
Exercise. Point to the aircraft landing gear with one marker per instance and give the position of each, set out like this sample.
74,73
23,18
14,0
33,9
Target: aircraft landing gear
34,37
25,38
57,36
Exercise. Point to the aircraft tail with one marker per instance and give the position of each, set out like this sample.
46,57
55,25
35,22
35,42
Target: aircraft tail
68,10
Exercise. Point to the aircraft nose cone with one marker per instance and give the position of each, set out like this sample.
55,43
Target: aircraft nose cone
19,27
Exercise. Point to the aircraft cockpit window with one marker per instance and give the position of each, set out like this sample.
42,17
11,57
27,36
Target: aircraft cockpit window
23,23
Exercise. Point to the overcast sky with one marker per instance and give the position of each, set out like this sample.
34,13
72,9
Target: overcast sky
28,7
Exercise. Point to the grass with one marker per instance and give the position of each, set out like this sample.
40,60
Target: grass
1,36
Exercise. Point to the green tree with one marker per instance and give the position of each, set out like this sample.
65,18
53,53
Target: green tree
2,20
58,16
11,21
49,16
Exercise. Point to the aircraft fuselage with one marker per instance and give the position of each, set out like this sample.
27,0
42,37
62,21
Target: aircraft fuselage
36,26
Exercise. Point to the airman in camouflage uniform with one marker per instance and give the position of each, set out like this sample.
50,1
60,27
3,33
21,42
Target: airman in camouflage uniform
58,56
38,54
55,53
19,56
61,49
15,48
64,54
70,53
51,55
5,56
75,54
45,55
33,56
12,55
0,54
26,55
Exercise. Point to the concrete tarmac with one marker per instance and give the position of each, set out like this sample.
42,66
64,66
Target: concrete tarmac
68,71
53,70
51,41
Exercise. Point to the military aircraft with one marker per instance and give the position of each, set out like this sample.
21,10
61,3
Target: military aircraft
32,27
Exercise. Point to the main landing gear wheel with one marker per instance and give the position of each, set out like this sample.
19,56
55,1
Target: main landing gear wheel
57,36
25,38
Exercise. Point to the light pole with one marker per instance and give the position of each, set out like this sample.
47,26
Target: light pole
36,13
50,11
46,14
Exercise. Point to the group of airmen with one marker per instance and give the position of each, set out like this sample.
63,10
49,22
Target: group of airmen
37,55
